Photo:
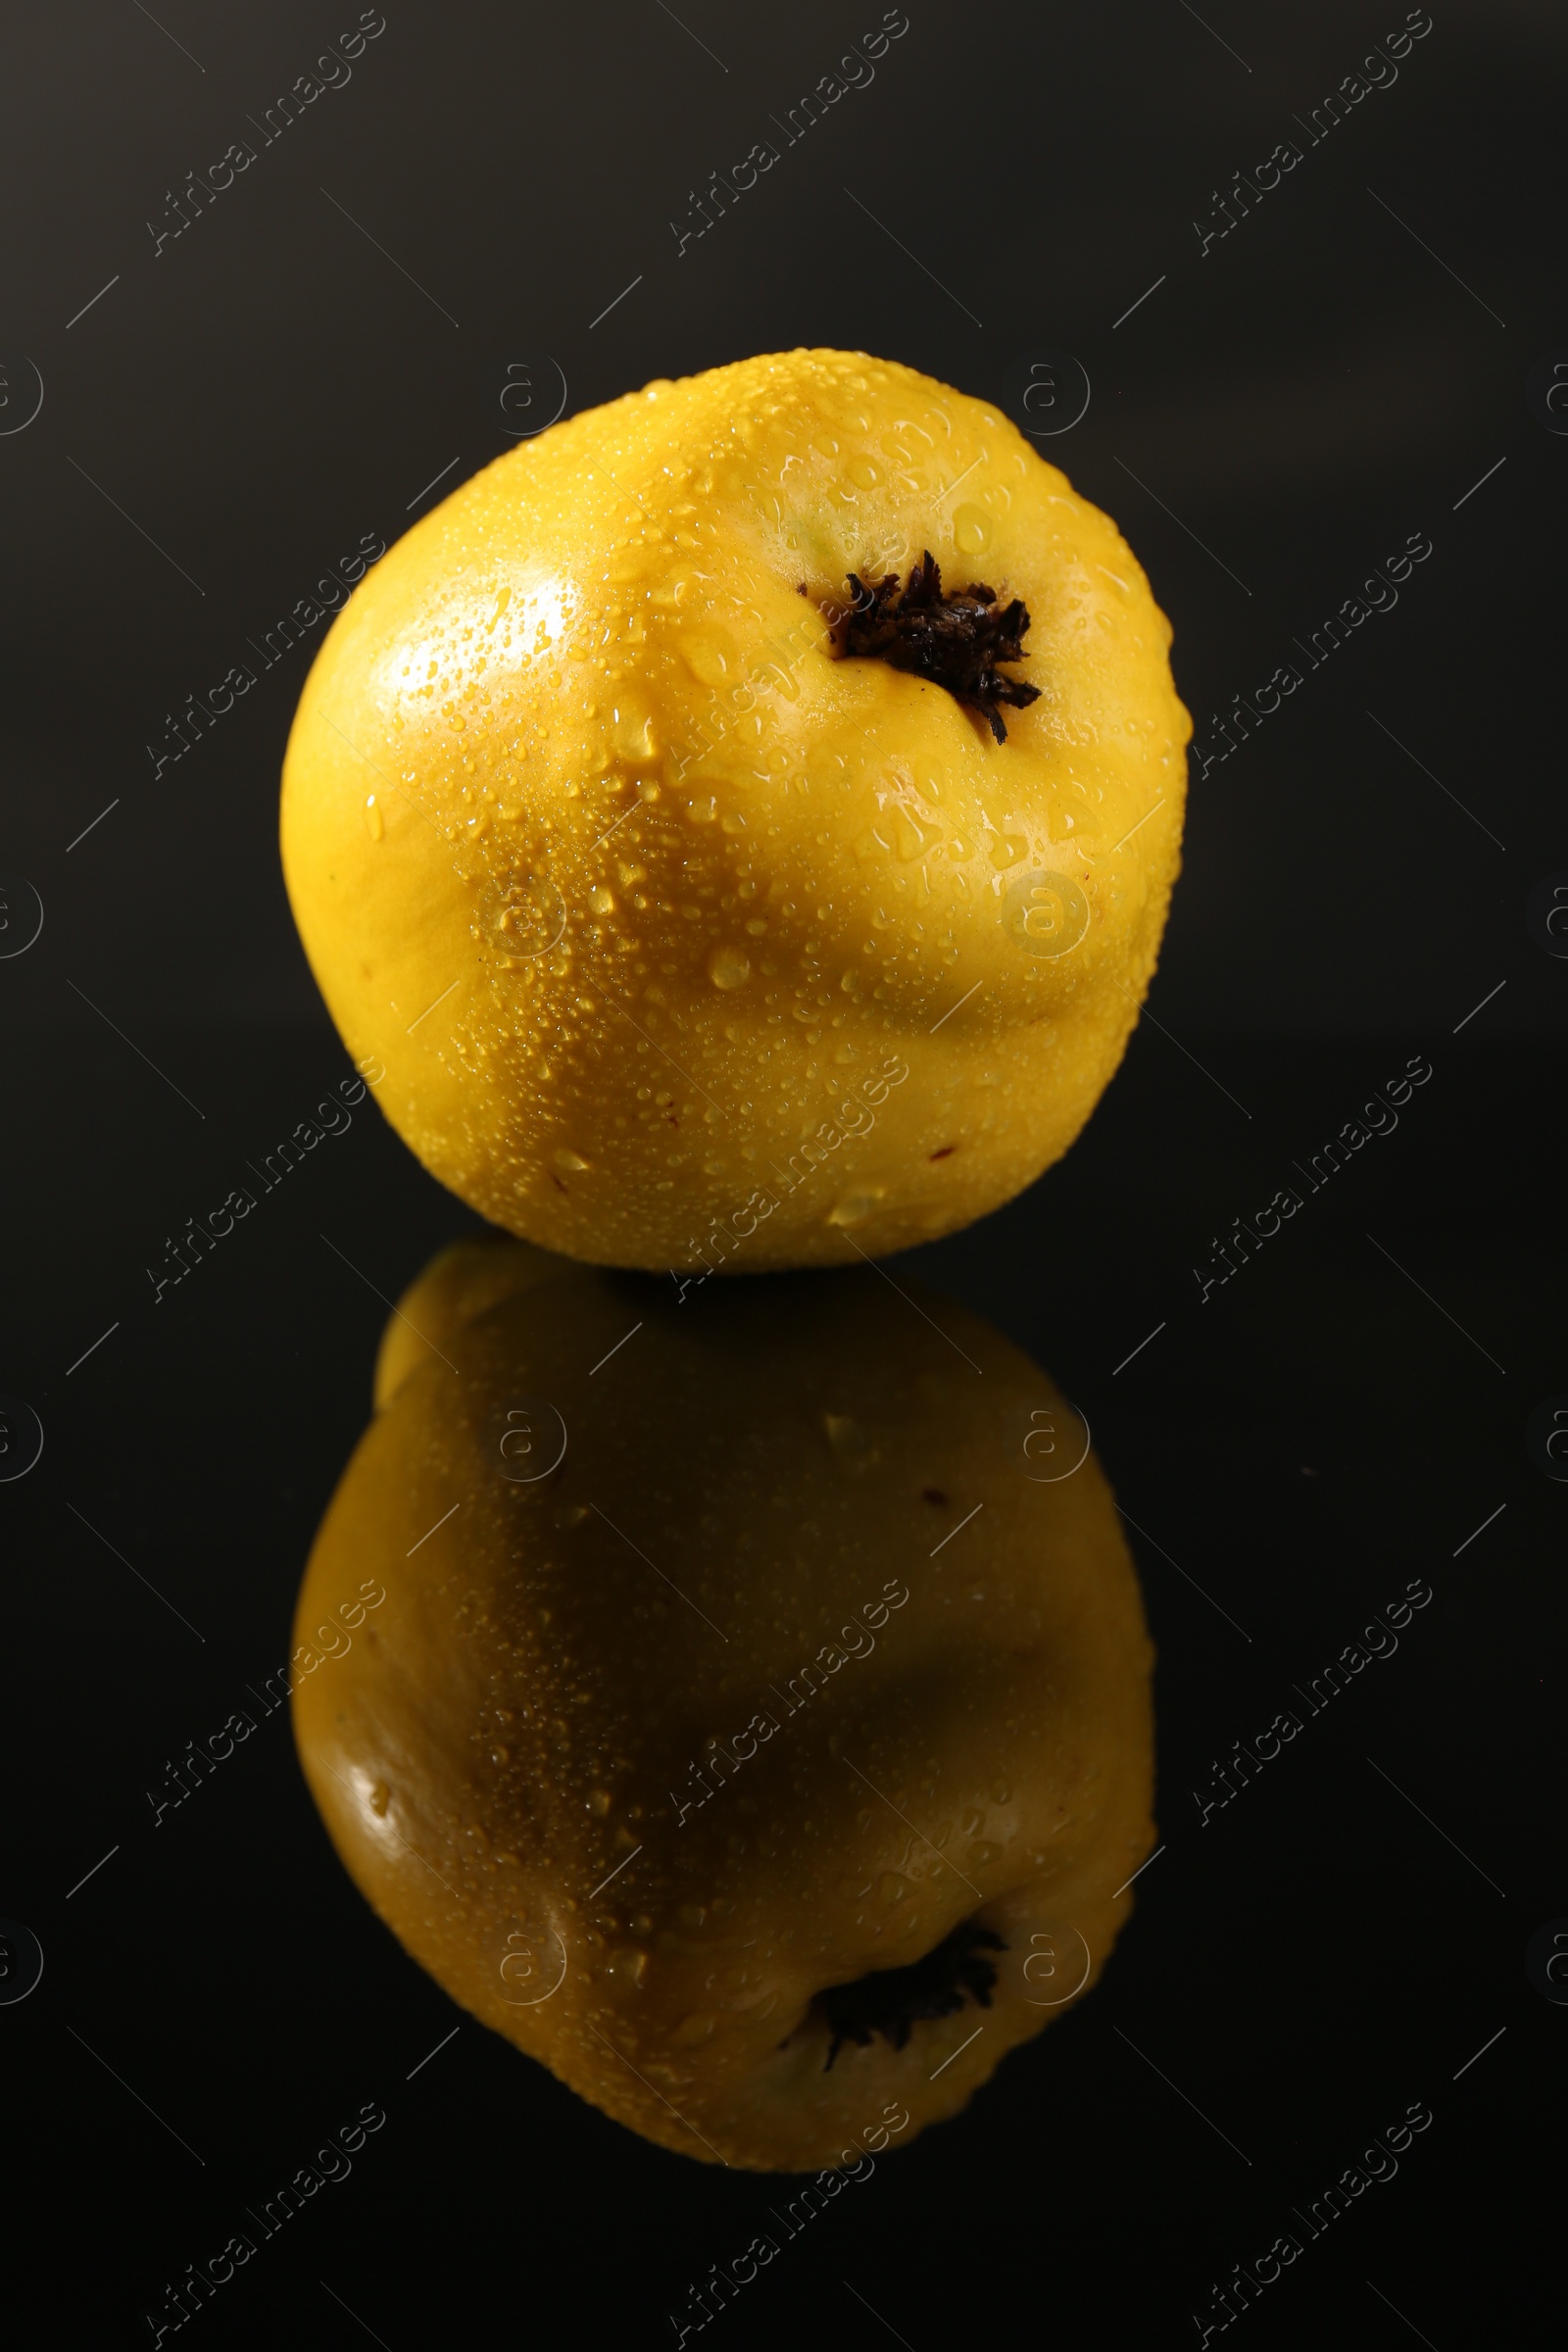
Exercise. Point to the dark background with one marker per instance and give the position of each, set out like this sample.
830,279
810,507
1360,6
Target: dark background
224,422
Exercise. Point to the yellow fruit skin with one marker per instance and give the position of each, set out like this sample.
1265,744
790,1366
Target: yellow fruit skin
639,894
502,1752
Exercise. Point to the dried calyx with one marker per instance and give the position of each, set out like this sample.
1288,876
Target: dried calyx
954,638
890,2001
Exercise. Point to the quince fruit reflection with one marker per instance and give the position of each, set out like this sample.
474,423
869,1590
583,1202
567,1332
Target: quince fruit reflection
755,1729
743,818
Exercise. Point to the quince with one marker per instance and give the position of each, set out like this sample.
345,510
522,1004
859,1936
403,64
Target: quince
739,822
749,1717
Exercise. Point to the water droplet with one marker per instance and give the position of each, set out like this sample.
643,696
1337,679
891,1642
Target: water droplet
600,1802
693,2030
971,529
374,822
707,655
634,736
856,1206
728,968
380,1798
500,1755
571,1163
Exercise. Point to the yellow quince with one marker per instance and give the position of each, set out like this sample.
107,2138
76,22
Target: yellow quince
737,827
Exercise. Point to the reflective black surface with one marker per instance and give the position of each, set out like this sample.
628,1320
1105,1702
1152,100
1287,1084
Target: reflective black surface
1336,1439
1311,1954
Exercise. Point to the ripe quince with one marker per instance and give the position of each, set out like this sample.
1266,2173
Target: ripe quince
739,825
754,1724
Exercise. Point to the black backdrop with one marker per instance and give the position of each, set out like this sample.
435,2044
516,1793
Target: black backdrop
195,426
